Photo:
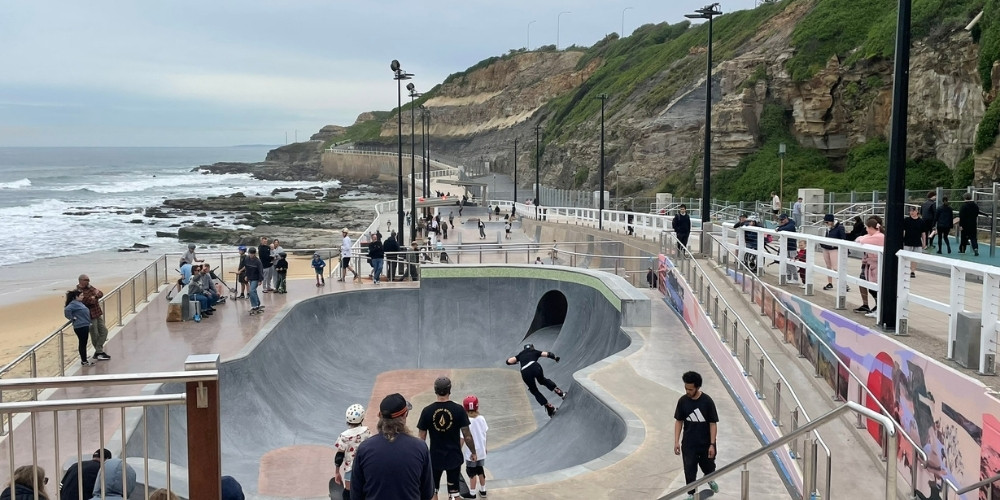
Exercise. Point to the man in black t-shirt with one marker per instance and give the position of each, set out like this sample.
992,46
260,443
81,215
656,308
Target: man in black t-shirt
914,235
531,371
697,418
89,470
448,424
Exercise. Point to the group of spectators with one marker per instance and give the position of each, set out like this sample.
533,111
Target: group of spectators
939,219
393,463
83,481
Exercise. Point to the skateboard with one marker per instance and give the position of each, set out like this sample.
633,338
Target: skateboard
258,310
336,490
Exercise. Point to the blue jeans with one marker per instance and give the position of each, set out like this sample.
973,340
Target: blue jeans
203,300
377,269
254,298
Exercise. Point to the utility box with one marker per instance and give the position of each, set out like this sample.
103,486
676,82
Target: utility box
812,204
663,200
597,199
967,336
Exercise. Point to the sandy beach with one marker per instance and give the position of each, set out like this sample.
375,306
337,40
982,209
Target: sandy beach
32,295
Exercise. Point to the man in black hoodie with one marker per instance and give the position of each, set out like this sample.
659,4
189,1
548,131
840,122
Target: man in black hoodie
89,470
264,254
968,213
390,246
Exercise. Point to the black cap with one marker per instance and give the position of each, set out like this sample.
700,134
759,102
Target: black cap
394,406
102,451
783,216
529,346
828,218
442,386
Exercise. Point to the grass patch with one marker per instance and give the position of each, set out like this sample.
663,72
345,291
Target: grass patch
989,127
989,42
833,27
965,173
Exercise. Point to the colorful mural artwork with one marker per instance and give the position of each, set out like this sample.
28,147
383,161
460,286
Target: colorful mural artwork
950,416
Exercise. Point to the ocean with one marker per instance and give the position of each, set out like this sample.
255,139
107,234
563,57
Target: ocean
57,202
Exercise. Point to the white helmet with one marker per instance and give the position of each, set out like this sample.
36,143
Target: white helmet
355,414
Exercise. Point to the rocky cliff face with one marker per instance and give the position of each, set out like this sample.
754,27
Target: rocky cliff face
476,117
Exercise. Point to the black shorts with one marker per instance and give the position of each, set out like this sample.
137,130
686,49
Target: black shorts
344,262
451,476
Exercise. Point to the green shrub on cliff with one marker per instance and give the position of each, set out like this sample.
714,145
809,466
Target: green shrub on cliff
989,127
989,42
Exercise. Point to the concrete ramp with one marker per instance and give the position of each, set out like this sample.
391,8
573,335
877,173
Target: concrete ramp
284,397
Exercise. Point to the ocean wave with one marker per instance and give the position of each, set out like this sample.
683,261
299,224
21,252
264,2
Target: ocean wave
18,184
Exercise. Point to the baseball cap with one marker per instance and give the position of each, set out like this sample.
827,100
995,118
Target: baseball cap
471,403
242,248
828,218
442,386
102,451
394,406
783,216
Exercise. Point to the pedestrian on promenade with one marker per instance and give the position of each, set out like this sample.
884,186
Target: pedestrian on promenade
281,273
377,254
775,204
318,265
264,254
447,423
478,428
831,253
77,312
791,248
276,251
345,256
869,265
697,419
347,446
89,470
857,229
928,214
241,277
91,297
482,229
254,270
681,225
945,221
392,464
914,236
968,215
532,372
798,212
651,277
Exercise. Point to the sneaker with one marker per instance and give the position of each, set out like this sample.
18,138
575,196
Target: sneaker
873,313
482,493
829,286
468,495
561,393
551,410
102,356
323,281
87,363
689,497
913,274
863,309
802,286
714,486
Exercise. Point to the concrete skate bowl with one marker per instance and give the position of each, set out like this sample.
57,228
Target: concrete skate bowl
284,395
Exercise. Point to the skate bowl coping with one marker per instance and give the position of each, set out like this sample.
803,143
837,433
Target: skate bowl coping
291,383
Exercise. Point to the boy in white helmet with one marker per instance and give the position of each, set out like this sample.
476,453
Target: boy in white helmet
347,446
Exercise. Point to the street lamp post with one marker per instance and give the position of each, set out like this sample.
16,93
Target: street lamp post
707,12
399,75
781,172
423,151
558,19
527,44
538,159
515,170
413,161
622,33
600,207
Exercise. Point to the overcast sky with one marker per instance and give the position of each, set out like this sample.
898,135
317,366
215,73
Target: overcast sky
217,73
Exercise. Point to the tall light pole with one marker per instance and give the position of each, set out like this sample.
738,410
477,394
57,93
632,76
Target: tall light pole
600,207
622,33
558,18
399,75
423,150
538,160
413,161
897,172
527,44
707,12
781,172
515,170
428,172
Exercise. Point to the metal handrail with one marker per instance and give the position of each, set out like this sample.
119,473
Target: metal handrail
113,379
792,314
92,403
781,377
886,422
985,482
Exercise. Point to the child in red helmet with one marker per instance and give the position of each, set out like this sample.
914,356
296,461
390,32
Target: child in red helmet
478,428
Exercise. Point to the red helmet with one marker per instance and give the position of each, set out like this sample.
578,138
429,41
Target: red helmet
470,403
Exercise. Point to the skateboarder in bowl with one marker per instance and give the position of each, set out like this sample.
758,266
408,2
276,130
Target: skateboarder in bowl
531,371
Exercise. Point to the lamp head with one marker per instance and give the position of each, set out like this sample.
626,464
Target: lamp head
410,87
394,65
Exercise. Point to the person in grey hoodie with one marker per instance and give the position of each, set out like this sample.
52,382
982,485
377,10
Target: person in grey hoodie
77,312
112,485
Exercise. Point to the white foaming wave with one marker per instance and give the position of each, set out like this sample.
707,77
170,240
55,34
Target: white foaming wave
41,208
18,184
166,181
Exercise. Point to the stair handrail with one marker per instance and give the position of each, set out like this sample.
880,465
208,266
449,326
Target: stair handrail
959,492
887,424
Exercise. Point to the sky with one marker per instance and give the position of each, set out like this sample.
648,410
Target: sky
226,72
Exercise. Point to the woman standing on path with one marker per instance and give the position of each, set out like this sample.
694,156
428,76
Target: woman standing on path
77,312
945,221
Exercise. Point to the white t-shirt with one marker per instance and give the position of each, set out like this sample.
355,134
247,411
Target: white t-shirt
345,247
478,428
348,443
776,203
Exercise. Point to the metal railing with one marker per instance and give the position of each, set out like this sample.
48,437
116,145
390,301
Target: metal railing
950,486
742,462
759,369
88,430
770,301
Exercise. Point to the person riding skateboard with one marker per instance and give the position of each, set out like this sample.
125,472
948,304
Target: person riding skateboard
531,371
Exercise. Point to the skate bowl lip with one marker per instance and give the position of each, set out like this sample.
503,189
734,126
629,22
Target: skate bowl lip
615,289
